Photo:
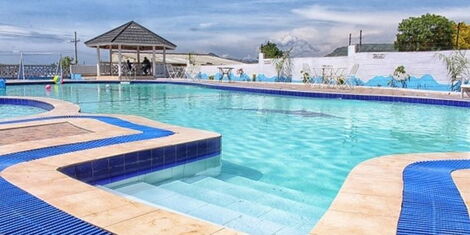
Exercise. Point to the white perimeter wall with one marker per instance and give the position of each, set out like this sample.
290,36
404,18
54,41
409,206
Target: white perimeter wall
371,64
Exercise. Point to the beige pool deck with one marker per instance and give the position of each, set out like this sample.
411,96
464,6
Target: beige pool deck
369,202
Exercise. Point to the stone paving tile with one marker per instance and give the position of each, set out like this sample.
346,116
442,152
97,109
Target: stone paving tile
40,132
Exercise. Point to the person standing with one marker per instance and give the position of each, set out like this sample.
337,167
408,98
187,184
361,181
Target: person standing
146,65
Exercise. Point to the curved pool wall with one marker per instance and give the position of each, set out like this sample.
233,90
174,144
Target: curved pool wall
27,102
359,97
12,108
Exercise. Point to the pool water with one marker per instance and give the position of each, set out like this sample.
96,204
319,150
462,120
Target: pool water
284,158
11,111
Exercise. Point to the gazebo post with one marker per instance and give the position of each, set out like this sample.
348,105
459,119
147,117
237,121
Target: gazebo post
138,60
154,68
98,64
110,60
164,61
119,62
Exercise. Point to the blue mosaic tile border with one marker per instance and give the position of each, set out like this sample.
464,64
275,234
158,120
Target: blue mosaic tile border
417,100
431,201
120,167
27,102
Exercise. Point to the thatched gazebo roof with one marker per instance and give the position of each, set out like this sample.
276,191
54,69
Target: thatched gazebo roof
130,36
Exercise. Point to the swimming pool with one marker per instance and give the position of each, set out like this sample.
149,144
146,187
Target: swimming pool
284,158
11,111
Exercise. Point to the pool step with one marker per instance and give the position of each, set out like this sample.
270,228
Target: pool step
233,203
172,200
276,190
259,197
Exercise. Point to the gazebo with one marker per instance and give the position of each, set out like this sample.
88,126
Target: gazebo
129,37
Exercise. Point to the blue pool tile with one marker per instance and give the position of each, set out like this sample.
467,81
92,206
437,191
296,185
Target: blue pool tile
100,164
202,147
130,158
117,170
170,154
132,167
181,152
144,164
192,149
83,170
100,174
70,171
145,155
157,157
116,161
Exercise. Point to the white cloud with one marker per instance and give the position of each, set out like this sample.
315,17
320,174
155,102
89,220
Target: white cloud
206,25
306,33
16,32
375,17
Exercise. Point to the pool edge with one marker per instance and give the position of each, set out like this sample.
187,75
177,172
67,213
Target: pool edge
370,199
37,177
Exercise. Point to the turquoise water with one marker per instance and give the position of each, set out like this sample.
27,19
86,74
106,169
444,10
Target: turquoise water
284,158
11,111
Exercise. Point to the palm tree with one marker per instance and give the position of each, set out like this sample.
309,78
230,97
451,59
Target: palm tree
457,65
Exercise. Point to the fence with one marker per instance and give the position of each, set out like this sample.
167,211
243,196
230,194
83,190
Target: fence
15,71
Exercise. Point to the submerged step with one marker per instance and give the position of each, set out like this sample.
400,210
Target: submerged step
237,204
155,195
260,197
284,192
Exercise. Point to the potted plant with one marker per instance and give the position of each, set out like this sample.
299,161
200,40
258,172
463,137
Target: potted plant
283,66
305,76
399,76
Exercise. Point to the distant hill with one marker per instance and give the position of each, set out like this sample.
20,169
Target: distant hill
343,51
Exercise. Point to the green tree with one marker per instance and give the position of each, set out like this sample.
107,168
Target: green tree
425,33
65,62
270,50
464,36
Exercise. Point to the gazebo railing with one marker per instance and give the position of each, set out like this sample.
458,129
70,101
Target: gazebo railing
106,68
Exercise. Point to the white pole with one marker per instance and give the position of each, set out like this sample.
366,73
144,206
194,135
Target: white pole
119,62
138,67
57,71
61,69
164,62
20,66
154,68
98,64
110,60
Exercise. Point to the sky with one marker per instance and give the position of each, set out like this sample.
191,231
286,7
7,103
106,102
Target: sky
229,28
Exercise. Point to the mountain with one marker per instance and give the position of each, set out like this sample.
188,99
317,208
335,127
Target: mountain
300,47
383,47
